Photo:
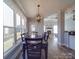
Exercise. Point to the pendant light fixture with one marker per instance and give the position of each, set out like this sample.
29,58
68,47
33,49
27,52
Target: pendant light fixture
38,16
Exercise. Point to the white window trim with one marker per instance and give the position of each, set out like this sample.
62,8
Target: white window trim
15,37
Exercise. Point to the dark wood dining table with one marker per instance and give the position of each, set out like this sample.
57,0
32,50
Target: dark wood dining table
44,45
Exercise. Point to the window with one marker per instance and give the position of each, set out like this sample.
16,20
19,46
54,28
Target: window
8,16
8,38
18,26
18,22
23,25
8,27
44,28
55,29
32,28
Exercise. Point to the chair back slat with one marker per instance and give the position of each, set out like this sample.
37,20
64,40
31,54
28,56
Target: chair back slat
34,46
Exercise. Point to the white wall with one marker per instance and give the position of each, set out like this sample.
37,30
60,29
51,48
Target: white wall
60,27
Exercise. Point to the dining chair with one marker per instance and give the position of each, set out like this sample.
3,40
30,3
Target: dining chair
23,35
45,44
34,47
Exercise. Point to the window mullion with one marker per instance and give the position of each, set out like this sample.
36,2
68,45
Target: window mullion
15,37
21,24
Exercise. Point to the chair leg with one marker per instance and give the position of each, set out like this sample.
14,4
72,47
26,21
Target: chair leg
23,51
46,53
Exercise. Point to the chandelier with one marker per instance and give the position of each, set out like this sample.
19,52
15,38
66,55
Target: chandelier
38,16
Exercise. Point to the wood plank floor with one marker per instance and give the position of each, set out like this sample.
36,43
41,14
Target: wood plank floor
56,52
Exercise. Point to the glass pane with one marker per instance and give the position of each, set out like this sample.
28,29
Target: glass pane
44,28
18,33
23,25
23,30
18,26
55,29
8,38
33,27
7,16
18,22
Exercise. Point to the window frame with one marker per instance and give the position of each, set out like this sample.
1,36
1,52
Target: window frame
4,26
14,27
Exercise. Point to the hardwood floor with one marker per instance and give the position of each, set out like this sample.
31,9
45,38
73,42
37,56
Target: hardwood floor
56,52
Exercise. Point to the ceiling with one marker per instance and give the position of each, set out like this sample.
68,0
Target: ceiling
48,7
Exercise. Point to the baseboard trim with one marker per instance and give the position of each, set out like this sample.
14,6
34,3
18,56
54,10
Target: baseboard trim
15,55
19,54
68,48
14,52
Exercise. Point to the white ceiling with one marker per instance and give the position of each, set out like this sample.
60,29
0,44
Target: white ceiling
48,7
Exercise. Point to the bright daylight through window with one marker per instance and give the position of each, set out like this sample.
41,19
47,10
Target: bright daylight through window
8,27
12,31
18,26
